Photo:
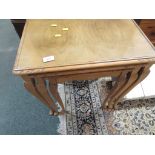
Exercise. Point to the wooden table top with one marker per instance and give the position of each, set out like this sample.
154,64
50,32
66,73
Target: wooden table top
78,43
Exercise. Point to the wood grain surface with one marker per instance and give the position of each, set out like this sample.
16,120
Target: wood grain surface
77,44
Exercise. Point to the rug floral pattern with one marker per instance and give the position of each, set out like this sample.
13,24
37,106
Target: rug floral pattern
83,102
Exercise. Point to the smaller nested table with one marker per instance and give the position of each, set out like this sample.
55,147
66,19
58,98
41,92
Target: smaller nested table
55,51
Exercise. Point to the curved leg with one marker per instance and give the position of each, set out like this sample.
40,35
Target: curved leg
29,84
41,87
118,85
53,87
141,75
121,84
131,78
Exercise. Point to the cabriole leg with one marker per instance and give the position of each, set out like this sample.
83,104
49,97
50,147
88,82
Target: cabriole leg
53,87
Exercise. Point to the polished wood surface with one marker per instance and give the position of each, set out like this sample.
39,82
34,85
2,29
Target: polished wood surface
76,43
83,50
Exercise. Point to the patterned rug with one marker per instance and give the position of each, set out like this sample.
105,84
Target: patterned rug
83,101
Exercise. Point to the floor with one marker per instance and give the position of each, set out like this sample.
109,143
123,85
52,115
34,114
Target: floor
21,113
83,101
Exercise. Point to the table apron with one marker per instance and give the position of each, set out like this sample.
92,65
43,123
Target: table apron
94,70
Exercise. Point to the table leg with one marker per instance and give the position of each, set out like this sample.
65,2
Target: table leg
53,87
135,79
29,84
121,80
41,87
131,78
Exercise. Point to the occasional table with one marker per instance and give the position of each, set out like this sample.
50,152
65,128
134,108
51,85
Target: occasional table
55,51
